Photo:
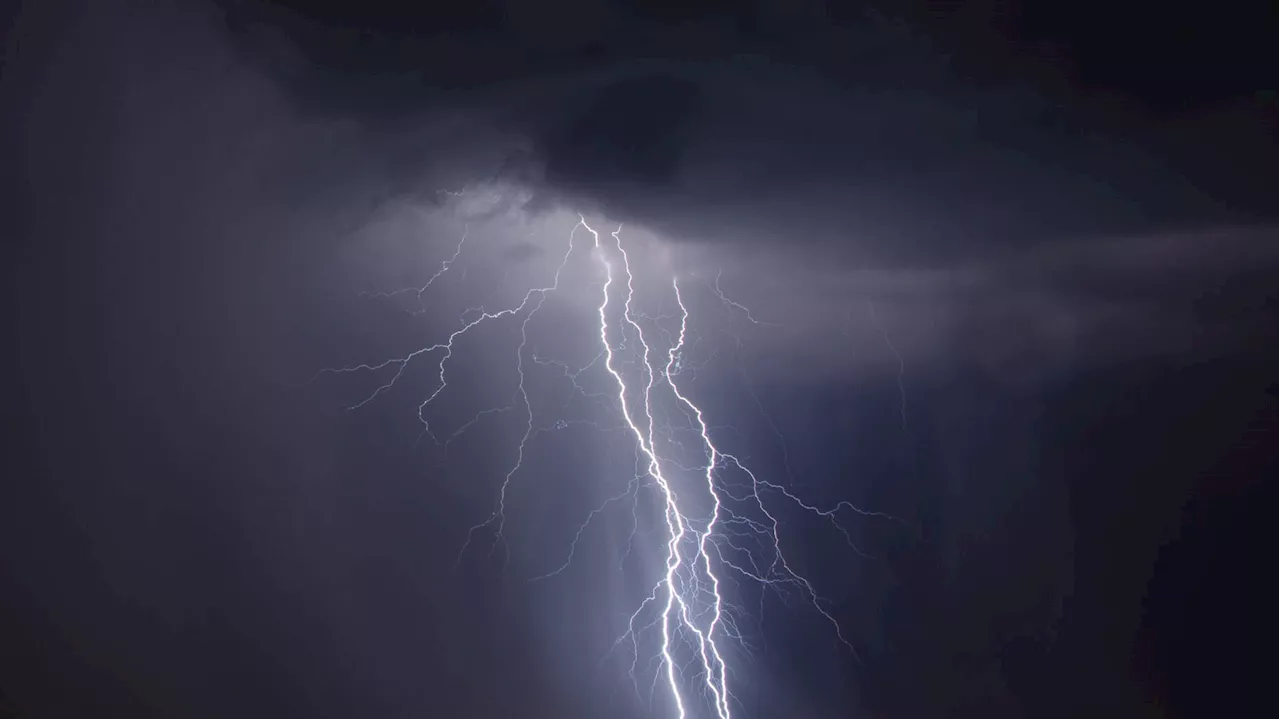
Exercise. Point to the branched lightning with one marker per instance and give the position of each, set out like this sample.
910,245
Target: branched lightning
720,519
421,289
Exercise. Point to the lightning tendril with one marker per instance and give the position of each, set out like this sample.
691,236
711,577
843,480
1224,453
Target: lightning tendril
720,522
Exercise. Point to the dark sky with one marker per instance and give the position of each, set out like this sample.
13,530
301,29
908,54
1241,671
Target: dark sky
1012,266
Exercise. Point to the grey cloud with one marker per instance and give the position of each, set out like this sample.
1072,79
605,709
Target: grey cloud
1034,315
987,226
745,153
860,145
522,252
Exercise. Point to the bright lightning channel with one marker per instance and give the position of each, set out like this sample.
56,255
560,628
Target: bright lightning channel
693,613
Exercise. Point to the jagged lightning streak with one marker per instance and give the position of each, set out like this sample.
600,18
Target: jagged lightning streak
714,668
720,693
446,348
708,522
422,289
674,518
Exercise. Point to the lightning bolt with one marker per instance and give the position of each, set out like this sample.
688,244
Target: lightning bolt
720,523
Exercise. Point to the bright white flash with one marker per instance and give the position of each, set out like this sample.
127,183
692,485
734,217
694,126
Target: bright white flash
720,522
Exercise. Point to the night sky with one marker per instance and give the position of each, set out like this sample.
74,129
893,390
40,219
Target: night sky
998,270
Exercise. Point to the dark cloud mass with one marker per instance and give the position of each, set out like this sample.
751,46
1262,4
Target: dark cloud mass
851,121
603,144
807,137
1009,276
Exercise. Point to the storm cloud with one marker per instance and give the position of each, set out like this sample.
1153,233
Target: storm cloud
214,201
862,165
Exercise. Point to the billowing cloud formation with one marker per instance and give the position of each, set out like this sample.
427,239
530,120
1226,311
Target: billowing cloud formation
982,219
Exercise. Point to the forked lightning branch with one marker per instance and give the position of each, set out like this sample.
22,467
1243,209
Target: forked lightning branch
720,519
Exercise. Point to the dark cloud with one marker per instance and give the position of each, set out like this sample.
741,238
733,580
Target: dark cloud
631,135
998,216
850,135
